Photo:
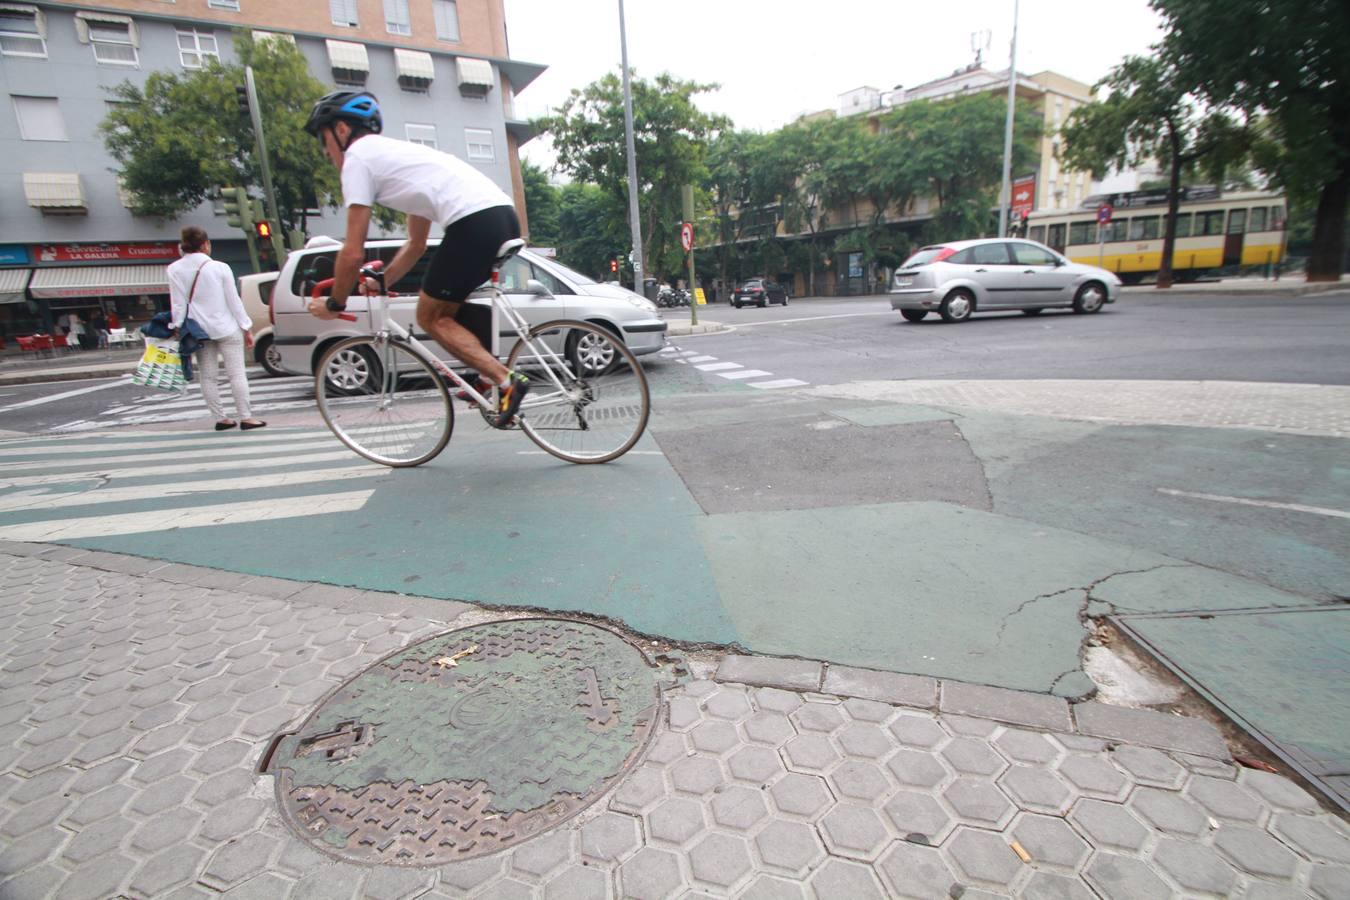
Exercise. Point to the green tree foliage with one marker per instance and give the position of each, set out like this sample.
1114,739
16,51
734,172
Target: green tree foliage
541,205
180,137
591,228
671,136
1152,112
1290,62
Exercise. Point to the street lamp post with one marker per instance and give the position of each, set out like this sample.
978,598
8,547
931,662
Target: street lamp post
634,222
1005,193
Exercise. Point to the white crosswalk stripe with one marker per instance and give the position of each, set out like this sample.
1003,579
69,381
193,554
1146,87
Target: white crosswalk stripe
265,394
731,371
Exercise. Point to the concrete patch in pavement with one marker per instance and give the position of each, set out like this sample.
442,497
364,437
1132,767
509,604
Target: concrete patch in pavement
1180,587
895,414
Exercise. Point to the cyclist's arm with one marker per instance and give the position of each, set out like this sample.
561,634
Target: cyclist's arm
353,253
411,251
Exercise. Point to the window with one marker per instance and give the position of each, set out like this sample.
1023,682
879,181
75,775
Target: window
1031,255
1209,222
195,47
989,254
447,19
396,18
112,42
343,12
1117,229
1277,218
1237,221
554,284
231,5
1183,225
1037,233
1083,233
39,119
480,144
422,134
22,32
1258,222
1143,228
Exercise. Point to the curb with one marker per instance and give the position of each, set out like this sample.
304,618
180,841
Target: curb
39,377
673,330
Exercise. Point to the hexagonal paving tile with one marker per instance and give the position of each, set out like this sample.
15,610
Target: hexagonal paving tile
978,802
770,728
919,731
639,791
791,846
854,831
676,821
1124,878
668,747
239,860
1048,886
817,716
1194,867
918,817
610,837
696,775
755,765
1094,776
983,857
1168,812
912,871
1277,790
860,710
1026,747
1321,838
650,874
577,882
1108,826
914,768
720,859
801,795
1050,841
729,703
771,887
840,878
972,756
1227,800
810,753
1253,850
1148,766
739,808
540,857
865,740
714,737
858,780
776,700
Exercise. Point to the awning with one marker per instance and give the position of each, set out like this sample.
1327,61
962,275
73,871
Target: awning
475,75
414,66
348,57
39,18
84,17
54,190
12,282
99,281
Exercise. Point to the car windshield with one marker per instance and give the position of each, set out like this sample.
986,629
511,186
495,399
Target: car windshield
572,274
923,257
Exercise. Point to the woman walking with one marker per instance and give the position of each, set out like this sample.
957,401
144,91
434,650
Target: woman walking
202,289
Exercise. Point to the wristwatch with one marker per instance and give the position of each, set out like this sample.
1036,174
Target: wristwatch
334,306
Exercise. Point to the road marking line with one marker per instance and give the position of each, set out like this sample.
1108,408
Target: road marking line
718,367
740,325
241,449
699,359
779,383
41,499
687,353
192,517
1271,504
212,439
38,401
745,373
189,468
629,453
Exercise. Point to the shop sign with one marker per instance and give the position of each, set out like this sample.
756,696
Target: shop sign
13,255
104,252
1023,197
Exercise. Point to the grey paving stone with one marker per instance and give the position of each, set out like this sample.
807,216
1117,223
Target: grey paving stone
334,881
163,795
792,847
768,671
771,887
843,879
1152,729
714,737
1267,890
918,731
1330,882
1002,705
720,859
755,765
1123,878
38,814
41,881
1093,776
1148,766
99,878
610,837
810,752
730,704
917,817
972,756
857,780
466,876
885,687
232,819
31,849
914,768
1317,837
543,855
1253,850
683,713
577,882
970,726
868,710
823,718
166,870
739,808
1048,886
1027,747
239,861
94,841
982,857
1226,800
978,801
390,883
1277,790
1195,867
770,728
1050,841
1169,812
699,775
38,787
854,831
639,791
650,874
801,795
1108,826
917,872
676,821
864,740
770,699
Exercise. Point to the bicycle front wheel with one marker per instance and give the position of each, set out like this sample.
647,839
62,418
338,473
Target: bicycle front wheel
384,401
588,399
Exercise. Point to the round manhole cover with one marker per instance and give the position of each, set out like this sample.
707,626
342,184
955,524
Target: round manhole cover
466,743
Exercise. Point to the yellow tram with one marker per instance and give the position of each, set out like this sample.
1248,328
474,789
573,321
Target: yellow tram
1214,230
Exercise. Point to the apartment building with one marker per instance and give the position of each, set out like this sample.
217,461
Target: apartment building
68,241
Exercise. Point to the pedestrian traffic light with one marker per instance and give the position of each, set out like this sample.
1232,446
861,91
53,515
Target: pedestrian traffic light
241,95
264,229
613,264
237,207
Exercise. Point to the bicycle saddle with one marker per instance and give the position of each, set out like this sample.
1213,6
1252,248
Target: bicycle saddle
508,250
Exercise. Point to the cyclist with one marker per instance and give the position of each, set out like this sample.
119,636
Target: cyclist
428,186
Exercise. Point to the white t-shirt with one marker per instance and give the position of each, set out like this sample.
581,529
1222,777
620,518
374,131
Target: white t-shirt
215,305
415,179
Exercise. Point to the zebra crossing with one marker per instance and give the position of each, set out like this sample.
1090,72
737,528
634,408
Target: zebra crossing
729,370
265,394
66,488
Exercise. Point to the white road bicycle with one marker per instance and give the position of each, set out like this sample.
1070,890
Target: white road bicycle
385,395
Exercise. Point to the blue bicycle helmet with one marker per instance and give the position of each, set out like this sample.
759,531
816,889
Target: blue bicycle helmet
357,108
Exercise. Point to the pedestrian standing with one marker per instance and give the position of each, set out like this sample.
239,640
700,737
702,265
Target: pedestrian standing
77,332
100,326
202,289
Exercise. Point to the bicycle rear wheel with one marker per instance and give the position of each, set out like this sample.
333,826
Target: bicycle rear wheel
602,406
384,401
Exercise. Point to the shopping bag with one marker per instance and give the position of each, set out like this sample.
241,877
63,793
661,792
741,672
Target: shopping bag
161,368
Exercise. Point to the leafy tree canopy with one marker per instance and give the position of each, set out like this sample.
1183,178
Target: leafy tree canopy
541,205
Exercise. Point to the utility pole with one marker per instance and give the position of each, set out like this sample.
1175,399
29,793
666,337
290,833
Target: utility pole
255,114
687,237
1005,195
634,222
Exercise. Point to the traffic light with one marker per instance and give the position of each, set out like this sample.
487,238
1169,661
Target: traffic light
614,264
241,95
237,207
258,212
264,228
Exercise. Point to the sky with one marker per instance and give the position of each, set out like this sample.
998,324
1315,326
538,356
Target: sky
777,59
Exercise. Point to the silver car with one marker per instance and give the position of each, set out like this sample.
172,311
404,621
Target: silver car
540,289
964,277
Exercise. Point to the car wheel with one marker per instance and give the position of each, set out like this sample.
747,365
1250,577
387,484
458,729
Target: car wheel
268,356
591,354
737,305
785,299
1034,311
914,315
352,371
763,303
1089,298
958,306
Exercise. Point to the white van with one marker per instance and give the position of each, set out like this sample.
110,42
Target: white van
256,292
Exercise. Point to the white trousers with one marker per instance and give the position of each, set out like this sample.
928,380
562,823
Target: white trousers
231,350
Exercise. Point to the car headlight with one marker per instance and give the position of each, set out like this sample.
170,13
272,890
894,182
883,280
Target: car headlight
640,303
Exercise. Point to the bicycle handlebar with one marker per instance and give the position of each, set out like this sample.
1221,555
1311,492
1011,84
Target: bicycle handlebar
372,269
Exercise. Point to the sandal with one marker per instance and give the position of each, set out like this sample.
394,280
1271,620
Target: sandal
249,426
225,426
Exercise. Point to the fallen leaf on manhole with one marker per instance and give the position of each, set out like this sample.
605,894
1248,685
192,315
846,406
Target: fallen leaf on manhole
452,661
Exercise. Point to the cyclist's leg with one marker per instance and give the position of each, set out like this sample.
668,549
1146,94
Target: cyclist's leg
438,318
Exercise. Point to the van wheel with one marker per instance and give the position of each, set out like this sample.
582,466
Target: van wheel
958,306
913,315
351,371
269,357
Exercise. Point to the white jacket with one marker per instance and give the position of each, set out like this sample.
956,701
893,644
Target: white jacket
215,304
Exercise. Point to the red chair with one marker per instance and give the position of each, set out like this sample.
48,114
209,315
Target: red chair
27,345
44,343
61,342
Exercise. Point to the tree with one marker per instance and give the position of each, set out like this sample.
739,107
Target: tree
591,228
181,137
728,186
541,205
1290,61
1151,112
671,136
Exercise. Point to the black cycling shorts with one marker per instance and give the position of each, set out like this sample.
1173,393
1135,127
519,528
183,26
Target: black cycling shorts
463,261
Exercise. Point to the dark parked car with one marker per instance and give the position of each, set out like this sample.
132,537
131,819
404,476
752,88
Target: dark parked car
759,292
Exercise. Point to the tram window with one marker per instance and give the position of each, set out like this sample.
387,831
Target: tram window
1277,218
1038,233
1143,228
1183,225
1210,222
1117,230
1237,221
1083,233
1258,219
